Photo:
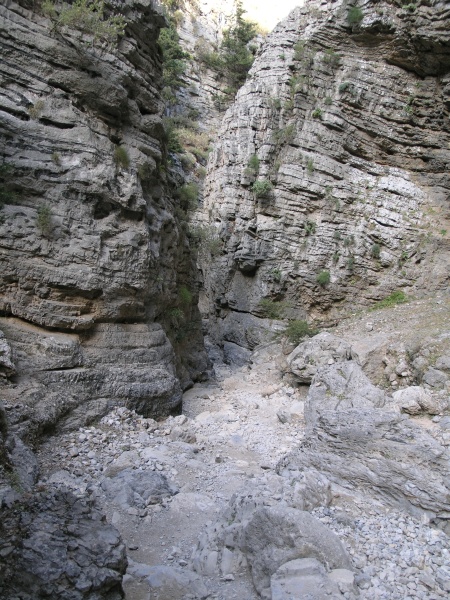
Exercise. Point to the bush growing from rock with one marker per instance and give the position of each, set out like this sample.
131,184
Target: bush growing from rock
270,309
297,330
262,188
354,15
375,251
87,16
188,194
185,296
206,239
397,297
310,227
121,157
323,278
44,219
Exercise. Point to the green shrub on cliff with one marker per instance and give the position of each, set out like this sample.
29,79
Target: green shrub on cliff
87,16
188,195
397,297
271,309
262,188
44,219
355,15
323,278
174,60
297,330
121,157
234,58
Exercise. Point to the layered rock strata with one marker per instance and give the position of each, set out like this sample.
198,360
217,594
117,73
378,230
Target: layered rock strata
96,269
358,438
328,184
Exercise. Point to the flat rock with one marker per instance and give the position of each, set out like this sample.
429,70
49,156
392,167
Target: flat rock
303,578
169,583
137,489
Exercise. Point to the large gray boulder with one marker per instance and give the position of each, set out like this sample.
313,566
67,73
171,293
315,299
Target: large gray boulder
359,441
339,387
318,351
138,489
257,530
57,545
277,535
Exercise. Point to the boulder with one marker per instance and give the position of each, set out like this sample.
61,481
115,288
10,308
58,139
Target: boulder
235,355
277,535
414,400
322,349
358,442
307,578
132,488
59,546
339,387
435,378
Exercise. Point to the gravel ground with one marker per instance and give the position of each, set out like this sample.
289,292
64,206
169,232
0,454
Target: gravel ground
232,434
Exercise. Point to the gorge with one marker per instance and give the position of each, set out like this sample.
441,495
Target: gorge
224,311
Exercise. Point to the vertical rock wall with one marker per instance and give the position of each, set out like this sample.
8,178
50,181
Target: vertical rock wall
93,262
349,124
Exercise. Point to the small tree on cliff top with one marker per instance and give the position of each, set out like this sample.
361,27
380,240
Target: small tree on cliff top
234,52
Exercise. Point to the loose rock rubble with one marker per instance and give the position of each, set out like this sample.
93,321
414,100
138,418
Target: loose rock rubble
186,494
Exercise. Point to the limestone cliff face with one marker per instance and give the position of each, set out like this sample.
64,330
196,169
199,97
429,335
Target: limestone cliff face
95,268
344,127
201,28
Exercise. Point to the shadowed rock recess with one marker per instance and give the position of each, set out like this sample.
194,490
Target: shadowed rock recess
333,160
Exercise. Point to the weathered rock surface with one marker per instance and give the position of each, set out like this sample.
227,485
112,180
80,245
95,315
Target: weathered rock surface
6,363
322,349
358,439
275,536
228,476
350,126
57,545
92,257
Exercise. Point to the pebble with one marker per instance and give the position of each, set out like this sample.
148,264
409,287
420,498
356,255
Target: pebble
397,564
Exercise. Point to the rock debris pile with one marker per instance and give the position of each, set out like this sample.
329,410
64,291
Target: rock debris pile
272,491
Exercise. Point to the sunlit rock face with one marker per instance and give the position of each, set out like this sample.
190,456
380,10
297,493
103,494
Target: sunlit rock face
328,184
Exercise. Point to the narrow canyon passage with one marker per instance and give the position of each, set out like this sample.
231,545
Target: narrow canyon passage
221,460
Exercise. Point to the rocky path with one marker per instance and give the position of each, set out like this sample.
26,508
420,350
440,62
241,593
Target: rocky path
229,434
162,484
